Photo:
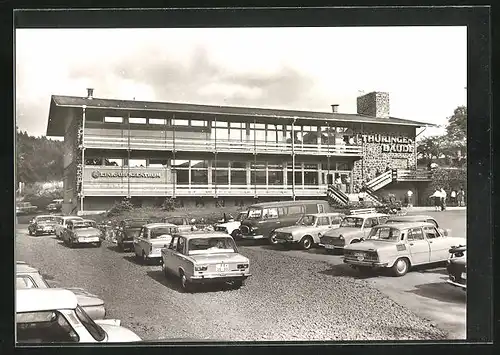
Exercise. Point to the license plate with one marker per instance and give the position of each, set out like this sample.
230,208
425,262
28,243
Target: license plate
360,256
464,276
222,267
327,246
91,239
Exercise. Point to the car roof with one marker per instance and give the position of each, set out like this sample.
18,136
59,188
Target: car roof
159,224
75,217
286,203
175,216
202,234
367,215
406,225
88,220
324,214
24,268
45,216
44,299
411,218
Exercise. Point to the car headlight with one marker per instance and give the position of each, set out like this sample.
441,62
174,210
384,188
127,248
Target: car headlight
242,266
341,237
201,268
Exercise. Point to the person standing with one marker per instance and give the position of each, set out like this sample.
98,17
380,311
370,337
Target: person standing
436,198
409,196
461,197
361,195
443,199
348,184
338,182
453,197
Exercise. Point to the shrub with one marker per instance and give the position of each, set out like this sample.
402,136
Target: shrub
168,204
41,197
120,207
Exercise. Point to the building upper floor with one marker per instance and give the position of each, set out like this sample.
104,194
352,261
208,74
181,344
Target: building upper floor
150,126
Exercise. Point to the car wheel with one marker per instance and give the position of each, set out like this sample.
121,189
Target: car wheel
354,241
30,232
70,243
306,243
185,284
120,246
401,267
144,258
238,284
273,240
98,244
235,235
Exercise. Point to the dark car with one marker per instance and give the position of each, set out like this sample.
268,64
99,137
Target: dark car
127,230
44,224
457,267
55,205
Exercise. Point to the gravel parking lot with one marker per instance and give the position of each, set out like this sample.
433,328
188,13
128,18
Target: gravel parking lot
289,297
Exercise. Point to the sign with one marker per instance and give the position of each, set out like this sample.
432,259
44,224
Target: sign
390,144
97,174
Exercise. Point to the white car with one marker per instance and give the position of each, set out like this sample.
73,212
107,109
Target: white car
62,224
232,226
51,315
151,239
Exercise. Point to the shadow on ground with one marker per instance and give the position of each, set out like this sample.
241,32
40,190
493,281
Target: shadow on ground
343,270
173,283
440,291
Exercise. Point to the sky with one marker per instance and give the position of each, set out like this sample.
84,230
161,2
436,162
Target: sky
424,69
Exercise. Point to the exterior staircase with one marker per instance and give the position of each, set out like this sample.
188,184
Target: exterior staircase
336,195
382,180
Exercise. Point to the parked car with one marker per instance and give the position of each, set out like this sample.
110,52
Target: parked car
54,316
23,208
399,246
80,232
151,239
201,257
62,223
308,229
264,218
43,224
413,218
29,277
457,267
231,226
353,229
55,205
182,222
127,230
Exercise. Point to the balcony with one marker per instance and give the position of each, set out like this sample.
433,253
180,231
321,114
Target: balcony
218,146
413,175
165,189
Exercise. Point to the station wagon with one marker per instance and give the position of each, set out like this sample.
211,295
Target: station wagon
399,246
308,229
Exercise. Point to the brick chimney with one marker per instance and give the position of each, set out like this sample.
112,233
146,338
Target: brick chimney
335,108
90,93
375,104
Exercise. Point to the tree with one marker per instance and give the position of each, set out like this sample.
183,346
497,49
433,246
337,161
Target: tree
457,125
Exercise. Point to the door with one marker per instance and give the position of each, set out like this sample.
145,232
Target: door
439,245
168,262
418,246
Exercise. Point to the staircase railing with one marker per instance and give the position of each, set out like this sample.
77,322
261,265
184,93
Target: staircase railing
370,194
337,195
380,181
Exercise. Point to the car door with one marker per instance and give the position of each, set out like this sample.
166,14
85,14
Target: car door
169,260
438,244
418,246
138,242
323,225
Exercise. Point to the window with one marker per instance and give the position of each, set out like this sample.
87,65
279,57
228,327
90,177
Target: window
178,122
415,234
136,163
44,327
220,124
294,210
157,163
113,162
93,161
198,123
431,232
321,208
270,213
238,177
342,166
275,177
137,120
23,282
211,245
298,177
180,245
307,220
220,176
323,221
336,219
258,177
385,233
95,330
352,222
383,220
433,222
113,119
173,243
157,121
158,232
238,165
370,222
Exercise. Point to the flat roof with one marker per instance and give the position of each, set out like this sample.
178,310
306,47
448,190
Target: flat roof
285,203
60,104
44,299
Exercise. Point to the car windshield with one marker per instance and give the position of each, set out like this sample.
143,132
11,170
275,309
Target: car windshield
211,245
178,221
385,233
132,232
159,231
307,220
353,222
80,225
255,213
45,219
90,224
95,330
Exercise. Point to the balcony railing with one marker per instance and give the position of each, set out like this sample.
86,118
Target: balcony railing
162,189
219,146
413,175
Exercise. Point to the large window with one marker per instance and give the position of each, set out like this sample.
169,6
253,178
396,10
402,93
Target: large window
275,174
113,119
199,172
220,172
113,161
310,134
199,123
93,161
137,120
157,121
258,132
179,122
181,168
258,173
238,173
157,163
136,163
237,131
220,130
310,174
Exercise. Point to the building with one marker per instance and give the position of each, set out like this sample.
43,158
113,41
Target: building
221,155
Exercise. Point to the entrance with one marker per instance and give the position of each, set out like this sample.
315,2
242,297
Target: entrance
341,180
